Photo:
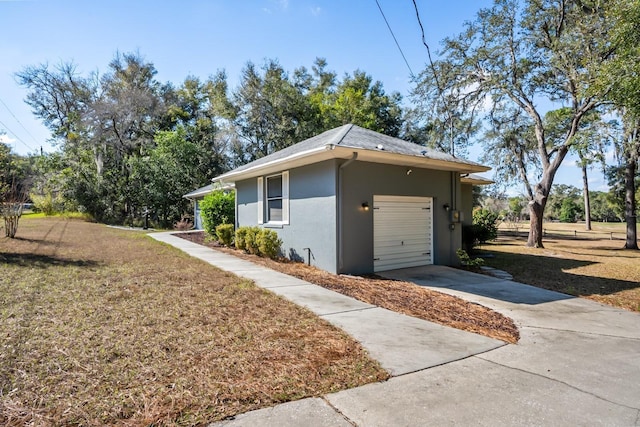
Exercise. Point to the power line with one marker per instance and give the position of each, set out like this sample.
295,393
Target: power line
19,122
16,136
424,42
395,39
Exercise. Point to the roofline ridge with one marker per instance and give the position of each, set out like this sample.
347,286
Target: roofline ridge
339,137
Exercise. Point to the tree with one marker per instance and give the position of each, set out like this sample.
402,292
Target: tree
201,110
161,178
518,55
49,186
272,110
620,78
590,143
563,195
99,122
604,208
359,100
267,112
14,188
446,115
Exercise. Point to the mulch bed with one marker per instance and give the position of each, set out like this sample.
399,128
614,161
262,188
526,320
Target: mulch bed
402,297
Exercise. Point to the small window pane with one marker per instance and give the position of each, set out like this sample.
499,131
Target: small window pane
275,210
274,186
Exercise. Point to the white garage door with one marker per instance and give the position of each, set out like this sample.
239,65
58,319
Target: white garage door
402,232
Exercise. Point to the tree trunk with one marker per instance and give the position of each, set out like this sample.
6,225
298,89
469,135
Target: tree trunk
536,209
587,203
536,212
11,226
630,203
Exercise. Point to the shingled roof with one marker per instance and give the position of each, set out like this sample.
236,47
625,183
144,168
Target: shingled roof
343,142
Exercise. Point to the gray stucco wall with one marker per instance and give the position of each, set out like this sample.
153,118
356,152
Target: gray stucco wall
361,180
312,213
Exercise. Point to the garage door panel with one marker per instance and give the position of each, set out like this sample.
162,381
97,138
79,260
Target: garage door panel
397,246
397,255
394,246
402,232
395,264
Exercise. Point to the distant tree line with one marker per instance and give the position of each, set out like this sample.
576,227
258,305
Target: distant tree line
130,144
566,204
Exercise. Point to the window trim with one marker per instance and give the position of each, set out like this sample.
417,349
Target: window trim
263,199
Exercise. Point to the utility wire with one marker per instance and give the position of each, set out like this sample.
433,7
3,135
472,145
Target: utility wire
396,40
424,42
16,136
19,122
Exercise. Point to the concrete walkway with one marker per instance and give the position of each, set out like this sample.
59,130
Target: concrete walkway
577,363
401,344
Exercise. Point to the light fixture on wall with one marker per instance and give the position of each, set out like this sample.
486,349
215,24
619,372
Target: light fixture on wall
409,171
365,206
446,207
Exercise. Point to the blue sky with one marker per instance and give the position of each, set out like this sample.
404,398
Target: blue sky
199,37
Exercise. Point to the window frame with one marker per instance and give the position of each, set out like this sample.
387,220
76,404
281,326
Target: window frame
263,199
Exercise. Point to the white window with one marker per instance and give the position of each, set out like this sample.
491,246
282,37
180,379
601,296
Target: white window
273,199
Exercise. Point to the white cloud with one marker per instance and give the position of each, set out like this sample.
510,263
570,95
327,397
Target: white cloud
315,11
5,139
277,4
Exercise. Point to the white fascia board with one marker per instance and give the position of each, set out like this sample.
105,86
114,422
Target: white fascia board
410,161
330,151
295,160
476,180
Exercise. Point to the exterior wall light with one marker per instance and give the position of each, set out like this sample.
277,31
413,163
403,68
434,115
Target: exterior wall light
446,207
409,171
365,206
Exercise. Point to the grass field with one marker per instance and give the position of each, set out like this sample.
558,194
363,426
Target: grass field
574,261
101,326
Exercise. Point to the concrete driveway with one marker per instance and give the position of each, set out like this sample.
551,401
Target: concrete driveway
577,363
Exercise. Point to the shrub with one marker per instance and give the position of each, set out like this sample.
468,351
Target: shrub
251,240
184,224
225,234
268,243
46,204
484,224
217,208
467,261
241,233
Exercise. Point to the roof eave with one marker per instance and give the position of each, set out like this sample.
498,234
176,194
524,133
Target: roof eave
330,151
381,156
295,160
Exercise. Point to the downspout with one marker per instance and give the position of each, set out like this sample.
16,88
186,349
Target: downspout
454,207
340,214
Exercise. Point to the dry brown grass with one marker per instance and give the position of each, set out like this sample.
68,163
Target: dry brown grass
594,268
100,326
402,297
